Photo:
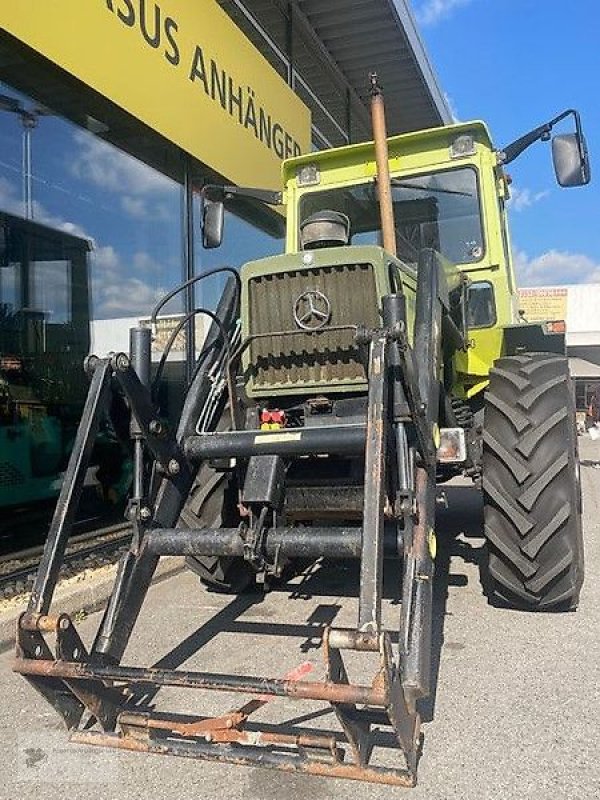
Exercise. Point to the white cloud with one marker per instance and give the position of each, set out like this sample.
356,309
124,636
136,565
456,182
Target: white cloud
11,201
110,168
134,206
524,198
430,12
145,193
130,298
452,106
144,263
117,293
555,267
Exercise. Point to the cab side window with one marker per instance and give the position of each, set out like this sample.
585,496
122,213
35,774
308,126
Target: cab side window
481,307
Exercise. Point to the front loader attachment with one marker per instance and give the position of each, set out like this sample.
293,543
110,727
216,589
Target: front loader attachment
96,694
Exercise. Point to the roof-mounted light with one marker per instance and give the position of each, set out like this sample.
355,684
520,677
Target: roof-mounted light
308,175
462,146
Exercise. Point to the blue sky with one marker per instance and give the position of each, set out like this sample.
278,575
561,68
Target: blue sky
516,64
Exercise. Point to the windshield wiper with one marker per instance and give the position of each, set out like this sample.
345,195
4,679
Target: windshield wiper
407,185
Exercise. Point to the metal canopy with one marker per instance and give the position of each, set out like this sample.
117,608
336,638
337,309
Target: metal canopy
363,36
328,48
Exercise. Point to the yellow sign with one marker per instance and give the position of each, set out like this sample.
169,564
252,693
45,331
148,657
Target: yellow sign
180,66
542,304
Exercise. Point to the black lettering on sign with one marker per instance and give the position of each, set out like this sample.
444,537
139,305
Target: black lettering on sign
278,140
265,130
218,83
235,98
127,17
241,103
171,29
250,115
288,145
198,70
151,25
154,38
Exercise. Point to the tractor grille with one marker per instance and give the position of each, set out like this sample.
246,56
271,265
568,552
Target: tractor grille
319,358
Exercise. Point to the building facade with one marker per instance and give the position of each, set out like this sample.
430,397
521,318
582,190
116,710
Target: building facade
578,305
114,114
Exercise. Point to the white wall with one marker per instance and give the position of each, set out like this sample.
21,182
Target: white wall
111,335
583,314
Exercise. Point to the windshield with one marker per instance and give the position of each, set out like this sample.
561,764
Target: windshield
439,210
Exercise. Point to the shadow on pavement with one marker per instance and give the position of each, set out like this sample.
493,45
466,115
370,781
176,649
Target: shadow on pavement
463,517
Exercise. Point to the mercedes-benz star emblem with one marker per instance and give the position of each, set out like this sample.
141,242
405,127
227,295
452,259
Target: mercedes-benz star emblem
312,310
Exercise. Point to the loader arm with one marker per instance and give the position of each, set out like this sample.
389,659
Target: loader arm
398,428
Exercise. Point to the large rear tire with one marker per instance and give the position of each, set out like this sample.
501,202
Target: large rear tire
532,496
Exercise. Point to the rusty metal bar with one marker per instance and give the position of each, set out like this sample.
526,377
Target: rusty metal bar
45,623
371,564
350,639
224,730
249,756
243,684
384,186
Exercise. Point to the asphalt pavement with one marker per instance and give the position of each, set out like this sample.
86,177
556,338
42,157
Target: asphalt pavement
514,713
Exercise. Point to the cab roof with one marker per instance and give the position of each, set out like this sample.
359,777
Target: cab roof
365,150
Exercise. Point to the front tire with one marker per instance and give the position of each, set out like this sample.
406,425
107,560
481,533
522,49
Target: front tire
532,496
212,504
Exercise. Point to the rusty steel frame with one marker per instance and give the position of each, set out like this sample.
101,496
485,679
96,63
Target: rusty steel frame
86,687
100,689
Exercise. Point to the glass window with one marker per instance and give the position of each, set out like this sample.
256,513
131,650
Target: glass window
439,210
10,289
50,290
481,308
83,185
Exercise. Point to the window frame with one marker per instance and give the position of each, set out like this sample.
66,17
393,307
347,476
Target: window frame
495,316
412,176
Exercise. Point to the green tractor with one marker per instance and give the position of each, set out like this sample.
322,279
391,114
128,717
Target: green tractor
338,385
44,336
501,402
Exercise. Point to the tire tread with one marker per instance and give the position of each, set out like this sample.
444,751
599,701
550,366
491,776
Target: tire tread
531,490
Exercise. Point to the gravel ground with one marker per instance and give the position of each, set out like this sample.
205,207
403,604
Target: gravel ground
514,714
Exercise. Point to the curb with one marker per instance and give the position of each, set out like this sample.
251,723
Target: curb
88,596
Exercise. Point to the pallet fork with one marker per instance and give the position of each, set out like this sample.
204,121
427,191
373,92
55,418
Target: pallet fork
89,688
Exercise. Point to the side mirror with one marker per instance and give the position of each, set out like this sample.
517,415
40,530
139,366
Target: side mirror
213,218
570,157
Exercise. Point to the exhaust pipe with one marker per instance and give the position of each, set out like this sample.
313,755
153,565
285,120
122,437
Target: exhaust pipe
384,186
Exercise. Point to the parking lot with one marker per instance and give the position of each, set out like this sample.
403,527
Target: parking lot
514,712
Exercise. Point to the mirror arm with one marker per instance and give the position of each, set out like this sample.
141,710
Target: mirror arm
514,149
215,192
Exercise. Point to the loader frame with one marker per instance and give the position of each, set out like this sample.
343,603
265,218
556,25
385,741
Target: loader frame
89,688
